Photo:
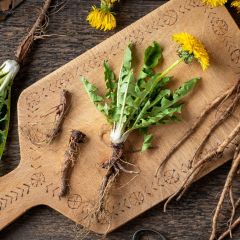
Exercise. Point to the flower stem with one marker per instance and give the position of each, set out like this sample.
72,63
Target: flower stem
166,71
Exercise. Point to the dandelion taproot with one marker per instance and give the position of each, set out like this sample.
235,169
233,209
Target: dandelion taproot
190,48
214,3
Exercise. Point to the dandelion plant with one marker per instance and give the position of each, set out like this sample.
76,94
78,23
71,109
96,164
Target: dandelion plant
8,71
136,103
10,68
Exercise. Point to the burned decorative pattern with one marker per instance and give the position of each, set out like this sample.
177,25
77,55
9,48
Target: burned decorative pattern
105,218
171,176
235,56
185,167
219,26
136,198
74,201
85,210
37,179
170,17
14,195
33,101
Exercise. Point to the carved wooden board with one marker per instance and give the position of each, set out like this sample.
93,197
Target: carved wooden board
37,178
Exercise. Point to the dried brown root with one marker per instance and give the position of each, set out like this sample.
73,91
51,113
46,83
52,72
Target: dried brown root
212,155
231,107
227,185
192,176
25,46
232,201
215,153
61,110
58,7
117,154
232,227
70,158
109,178
235,205
197,123
114,166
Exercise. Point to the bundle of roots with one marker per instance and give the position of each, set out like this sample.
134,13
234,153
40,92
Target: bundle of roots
70,158
114,166
39,137
231,100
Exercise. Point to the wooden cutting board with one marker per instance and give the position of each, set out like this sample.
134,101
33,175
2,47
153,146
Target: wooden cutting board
37,178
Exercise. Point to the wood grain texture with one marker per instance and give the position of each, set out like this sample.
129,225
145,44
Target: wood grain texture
79,38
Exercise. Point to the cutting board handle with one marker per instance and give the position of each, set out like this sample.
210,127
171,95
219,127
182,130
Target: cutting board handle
15,196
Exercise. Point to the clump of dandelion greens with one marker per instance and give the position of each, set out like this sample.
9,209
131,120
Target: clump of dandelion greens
132,103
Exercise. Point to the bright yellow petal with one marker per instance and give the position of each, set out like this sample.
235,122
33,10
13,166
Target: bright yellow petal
214,3
193,46
101,19
236,4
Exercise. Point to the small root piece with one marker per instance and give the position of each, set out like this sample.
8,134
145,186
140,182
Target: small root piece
70,157
60,111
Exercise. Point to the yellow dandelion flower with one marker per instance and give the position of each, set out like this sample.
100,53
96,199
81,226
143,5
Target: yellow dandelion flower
191,47
236,4
214,3
101,19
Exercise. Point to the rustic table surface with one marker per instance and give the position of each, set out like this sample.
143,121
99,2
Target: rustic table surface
189,219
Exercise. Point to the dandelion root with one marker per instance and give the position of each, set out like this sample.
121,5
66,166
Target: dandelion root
70,157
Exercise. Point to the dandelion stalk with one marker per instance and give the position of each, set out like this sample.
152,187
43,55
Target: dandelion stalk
136,104
10,69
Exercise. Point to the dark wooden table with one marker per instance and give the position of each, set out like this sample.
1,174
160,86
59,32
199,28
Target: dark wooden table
189,219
